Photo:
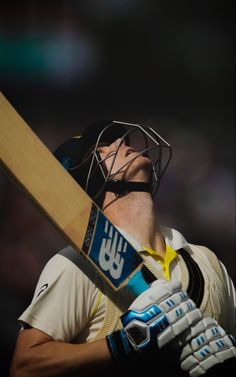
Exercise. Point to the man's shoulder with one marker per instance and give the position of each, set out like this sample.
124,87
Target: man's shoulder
70,255
201,250
67,268
66,261
74,260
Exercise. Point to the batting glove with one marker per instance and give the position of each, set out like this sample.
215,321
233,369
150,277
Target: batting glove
208,345
154,319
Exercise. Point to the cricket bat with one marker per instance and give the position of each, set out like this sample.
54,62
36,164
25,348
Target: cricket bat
24,156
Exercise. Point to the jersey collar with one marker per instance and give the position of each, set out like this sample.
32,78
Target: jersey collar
173,238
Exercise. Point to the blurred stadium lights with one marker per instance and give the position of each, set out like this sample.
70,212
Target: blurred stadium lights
60,57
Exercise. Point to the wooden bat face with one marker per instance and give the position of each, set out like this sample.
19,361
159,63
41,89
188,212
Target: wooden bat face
63,201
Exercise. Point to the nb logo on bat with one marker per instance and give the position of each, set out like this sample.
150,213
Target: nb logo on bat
112,247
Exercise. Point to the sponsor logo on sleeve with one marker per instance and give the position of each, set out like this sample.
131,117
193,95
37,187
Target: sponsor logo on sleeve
42,289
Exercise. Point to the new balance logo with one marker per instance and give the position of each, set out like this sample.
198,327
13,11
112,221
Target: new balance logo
112,247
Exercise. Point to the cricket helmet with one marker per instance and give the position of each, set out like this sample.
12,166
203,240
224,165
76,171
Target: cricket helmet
80,157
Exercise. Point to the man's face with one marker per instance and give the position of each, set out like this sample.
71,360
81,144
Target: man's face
124,162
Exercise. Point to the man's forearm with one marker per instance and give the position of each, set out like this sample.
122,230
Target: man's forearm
51,359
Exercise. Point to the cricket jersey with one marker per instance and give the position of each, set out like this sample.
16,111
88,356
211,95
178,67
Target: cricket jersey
73,304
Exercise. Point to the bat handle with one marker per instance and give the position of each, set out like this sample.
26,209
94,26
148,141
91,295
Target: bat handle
140,281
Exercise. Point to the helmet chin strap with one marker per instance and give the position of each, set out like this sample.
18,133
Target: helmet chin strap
120,187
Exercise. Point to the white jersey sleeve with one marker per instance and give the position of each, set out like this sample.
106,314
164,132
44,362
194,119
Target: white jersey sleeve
63,301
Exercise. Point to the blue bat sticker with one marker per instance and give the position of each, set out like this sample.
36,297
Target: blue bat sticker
109,250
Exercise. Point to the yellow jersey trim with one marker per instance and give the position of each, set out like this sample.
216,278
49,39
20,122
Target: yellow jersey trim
165,263
96,305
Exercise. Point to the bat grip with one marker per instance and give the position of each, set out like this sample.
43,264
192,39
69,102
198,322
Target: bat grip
148,276
140,281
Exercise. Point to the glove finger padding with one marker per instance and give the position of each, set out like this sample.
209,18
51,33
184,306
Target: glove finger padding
207,344
158,315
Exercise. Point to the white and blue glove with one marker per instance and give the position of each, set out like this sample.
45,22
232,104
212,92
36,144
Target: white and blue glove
207,346
154,319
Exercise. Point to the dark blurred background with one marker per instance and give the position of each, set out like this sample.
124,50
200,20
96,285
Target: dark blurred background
166,64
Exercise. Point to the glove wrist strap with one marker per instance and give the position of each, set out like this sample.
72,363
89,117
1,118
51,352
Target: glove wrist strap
119,346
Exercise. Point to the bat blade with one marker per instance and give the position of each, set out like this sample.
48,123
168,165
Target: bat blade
63,201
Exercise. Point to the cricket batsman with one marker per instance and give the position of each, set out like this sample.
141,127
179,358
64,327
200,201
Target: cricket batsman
182,324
